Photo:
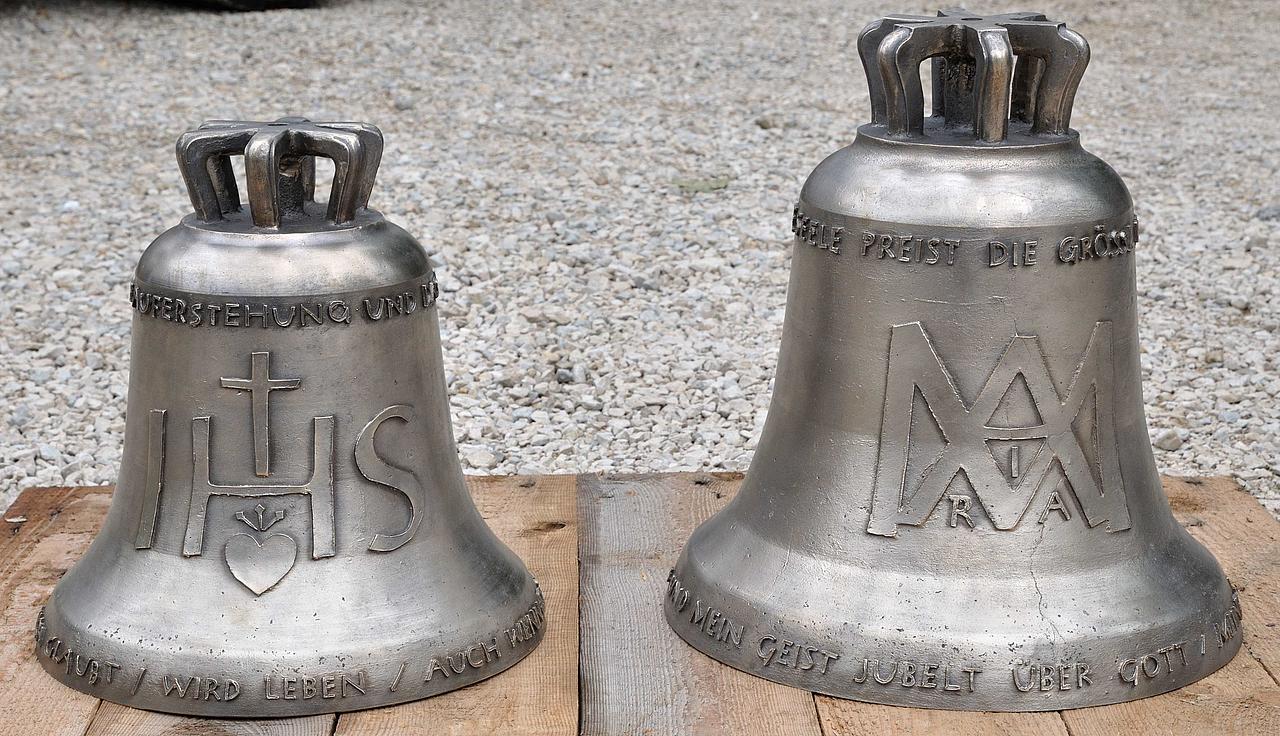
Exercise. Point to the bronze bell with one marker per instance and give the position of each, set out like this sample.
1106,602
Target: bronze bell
291,533
954,502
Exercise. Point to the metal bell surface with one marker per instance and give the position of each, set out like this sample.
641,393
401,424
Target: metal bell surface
954,502
291,532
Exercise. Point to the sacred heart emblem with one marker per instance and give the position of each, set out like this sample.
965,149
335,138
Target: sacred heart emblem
260,565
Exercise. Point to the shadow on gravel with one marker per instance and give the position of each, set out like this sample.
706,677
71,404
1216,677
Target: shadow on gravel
44,7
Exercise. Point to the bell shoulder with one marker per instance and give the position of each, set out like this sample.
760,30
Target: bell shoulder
967,186
197,258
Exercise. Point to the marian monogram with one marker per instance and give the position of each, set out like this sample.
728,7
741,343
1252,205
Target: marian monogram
1020,436
257,557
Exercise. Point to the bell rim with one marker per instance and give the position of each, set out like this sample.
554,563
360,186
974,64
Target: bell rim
987,706
290,707
691,589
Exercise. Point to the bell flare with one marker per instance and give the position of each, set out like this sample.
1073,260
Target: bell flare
952,638
291,532
954,502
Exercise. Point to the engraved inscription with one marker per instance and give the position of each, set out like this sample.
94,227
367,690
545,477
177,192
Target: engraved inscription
815,232
1171,659
1051,677
395,683
910,248
403,481
1101,243
319,488
677,593
527,626
922,675
1013,253
260,561
936,248
775,652
260,564
716,624
1159,663
475,657
137,683
150,513
1229,627
481,654
1020,436
405,302
190,310
91,669
711,621
327,686
194,687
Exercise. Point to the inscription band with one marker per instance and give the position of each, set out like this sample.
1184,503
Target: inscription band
197,310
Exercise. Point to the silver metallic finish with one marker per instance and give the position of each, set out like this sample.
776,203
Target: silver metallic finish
954,502
291,532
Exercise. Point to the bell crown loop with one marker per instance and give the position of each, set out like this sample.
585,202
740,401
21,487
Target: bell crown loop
279,167
987,71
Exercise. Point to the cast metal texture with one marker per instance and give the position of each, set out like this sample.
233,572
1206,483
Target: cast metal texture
954,502
291,532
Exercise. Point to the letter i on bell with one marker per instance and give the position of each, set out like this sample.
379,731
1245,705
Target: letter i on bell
954,498
290,533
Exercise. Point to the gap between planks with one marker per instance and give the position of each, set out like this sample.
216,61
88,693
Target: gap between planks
638,677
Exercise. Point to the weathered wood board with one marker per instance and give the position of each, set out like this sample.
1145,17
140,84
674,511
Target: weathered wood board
601,547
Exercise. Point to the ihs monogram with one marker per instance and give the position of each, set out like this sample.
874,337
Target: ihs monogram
259,563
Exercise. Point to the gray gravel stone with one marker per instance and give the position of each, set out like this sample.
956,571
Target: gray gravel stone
1168,440
609,210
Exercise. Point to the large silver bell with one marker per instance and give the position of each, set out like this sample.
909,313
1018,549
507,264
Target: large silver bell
954,502
291,532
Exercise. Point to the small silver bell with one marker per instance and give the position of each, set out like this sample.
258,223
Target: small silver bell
290,533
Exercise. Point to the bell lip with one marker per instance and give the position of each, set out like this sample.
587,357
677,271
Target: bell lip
1113,696
938,136
285,711
1106,689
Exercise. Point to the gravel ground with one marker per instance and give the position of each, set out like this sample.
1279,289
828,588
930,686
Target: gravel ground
602,185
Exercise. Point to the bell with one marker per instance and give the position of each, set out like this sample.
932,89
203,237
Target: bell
954,502
291,533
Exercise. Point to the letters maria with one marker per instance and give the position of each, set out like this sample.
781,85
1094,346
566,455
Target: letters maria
1017,439
255,556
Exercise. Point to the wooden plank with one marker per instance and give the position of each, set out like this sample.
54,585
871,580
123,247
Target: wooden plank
1243,697
57,526
638,677
1246,540
849,718
119,720
539,696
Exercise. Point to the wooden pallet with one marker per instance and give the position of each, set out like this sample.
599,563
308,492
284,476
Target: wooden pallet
609,665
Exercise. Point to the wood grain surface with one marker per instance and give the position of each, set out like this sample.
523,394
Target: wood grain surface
638,677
